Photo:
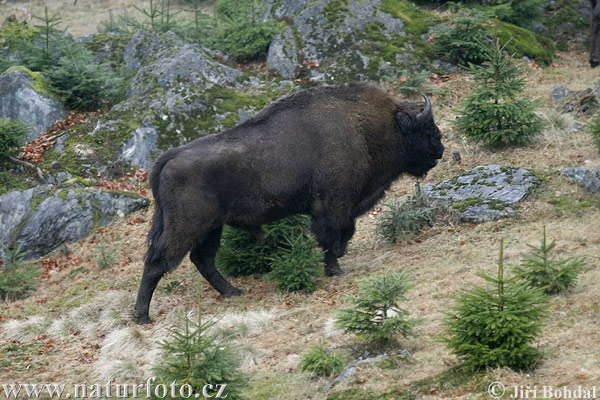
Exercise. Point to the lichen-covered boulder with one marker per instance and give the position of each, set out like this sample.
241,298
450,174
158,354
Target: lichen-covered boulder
282,57
345,40
163,61
137,130
485,193
587,178
41,219
585,101
25,97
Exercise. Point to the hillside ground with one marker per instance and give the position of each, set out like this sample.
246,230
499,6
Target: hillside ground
53,337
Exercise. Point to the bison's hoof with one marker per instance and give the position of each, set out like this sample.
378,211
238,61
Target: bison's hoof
334,271
233,292
141,318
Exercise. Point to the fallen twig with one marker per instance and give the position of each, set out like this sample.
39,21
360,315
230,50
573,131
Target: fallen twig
30,166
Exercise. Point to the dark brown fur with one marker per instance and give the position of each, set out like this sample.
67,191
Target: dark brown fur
329,152
595,34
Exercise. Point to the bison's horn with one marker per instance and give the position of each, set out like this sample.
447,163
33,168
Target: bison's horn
426,113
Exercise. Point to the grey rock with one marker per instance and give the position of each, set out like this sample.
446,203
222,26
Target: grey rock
588,178
167,117
485,193
332,41
14,208
283,54
20,100
187,63
349,371
140,148
559,92
539,28
145,47
42,219
585,101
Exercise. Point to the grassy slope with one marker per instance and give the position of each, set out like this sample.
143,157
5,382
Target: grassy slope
443,261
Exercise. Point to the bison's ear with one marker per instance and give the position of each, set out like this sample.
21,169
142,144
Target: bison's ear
405,122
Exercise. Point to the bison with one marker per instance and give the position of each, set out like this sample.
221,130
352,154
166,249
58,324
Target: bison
329,152
595,34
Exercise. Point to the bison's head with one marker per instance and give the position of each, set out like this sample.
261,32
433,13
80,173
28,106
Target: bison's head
423,140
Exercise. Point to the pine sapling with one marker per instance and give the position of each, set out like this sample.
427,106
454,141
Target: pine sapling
496,325
497,113
295,264
321,362
194,356
376,315
18,277
542,270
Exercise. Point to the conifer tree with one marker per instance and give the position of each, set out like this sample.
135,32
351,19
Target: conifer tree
376,315
495,113
495,326
542,270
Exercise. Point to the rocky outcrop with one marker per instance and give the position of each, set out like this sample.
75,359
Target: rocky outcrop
282,57
42,219
147,125
582,101
179,93
347,40
485,193
163,61
24,97
587,178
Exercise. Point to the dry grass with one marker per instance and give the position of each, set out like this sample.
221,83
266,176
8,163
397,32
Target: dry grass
80,17
76,327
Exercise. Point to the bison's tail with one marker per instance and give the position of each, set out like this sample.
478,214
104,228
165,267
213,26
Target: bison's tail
154,249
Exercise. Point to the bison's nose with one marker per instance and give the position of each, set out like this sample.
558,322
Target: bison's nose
440,151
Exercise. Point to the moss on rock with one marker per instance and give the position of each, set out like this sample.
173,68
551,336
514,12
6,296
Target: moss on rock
523,42
37,81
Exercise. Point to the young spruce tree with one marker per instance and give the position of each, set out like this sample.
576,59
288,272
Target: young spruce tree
495,114
540,269
495,326
376,315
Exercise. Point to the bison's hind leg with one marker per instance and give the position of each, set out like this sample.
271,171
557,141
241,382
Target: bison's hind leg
203,257
154,269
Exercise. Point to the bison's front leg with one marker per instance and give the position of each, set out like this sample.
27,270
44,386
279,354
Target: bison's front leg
203,256
333,239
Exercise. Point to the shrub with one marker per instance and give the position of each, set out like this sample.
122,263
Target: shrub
239,32
106,257
295,263
540,270
11,133
18,277
67,67
595,130
402,219
494,326
318,361
376,315
196,357
13,32
465,40
494,114
241,253
79,81
519,12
